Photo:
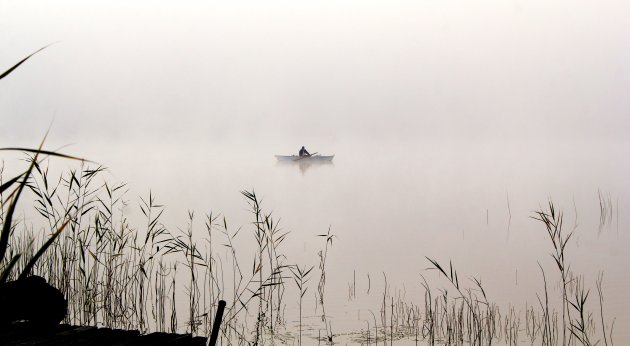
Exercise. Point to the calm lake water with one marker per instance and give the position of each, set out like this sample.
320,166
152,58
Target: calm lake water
392,204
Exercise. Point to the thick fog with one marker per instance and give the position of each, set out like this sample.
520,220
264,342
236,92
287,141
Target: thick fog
311,71
451,121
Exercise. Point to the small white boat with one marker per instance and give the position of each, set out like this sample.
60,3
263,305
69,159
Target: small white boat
311,158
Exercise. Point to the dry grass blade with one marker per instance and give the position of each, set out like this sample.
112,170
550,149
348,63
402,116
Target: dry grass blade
437,266
9,183
7,72
7,270
47,152
6,227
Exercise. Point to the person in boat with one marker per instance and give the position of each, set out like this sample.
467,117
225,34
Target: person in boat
303,152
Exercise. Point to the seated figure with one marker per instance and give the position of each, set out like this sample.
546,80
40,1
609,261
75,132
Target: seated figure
303,152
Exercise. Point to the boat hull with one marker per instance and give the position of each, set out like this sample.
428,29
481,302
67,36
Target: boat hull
296,158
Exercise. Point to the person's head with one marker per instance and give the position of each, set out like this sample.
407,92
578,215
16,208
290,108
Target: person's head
302,147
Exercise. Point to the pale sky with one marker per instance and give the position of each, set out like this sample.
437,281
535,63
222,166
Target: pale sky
330,70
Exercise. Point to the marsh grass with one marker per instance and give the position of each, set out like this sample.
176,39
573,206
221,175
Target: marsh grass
321,286
153,279
474,318
552,220
301,278
578,323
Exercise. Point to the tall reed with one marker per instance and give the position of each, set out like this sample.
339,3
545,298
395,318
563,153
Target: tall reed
300,277
552,220
321,287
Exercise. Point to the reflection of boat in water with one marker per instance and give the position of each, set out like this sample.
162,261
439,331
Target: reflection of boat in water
310,159
305,162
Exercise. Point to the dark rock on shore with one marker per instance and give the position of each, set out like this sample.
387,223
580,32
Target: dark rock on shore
31,299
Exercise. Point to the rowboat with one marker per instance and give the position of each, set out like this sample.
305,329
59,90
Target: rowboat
312,158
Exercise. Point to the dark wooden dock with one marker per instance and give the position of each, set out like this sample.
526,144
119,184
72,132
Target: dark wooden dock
63,334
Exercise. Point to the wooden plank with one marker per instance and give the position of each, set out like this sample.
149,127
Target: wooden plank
26,334
23,334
